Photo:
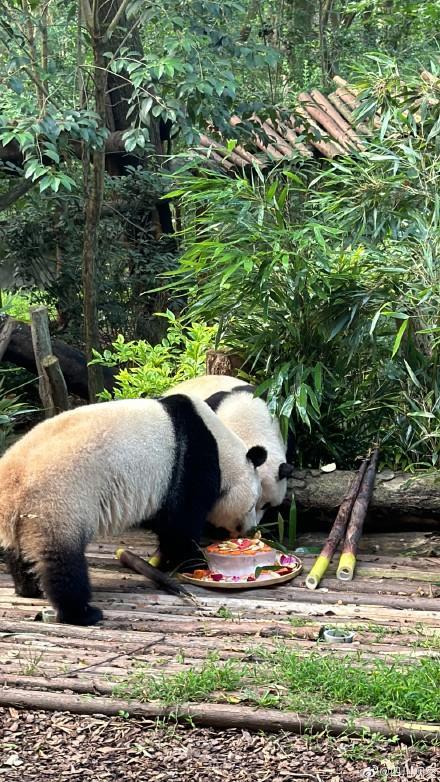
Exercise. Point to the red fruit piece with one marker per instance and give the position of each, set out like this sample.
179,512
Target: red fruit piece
217,577
251,578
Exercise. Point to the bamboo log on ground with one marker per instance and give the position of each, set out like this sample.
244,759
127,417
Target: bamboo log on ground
324,103
337,531
347,562
216,715
139,565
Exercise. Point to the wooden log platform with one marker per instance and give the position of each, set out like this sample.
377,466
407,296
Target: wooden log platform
393,606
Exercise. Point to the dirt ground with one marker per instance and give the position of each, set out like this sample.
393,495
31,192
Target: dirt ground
42,745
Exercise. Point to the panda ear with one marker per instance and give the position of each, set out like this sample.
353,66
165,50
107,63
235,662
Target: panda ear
285,470
257,455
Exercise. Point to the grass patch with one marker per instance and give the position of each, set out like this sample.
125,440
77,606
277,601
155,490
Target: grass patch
190,685
391,690
316,684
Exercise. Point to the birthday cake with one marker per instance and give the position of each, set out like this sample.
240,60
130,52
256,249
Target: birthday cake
239,557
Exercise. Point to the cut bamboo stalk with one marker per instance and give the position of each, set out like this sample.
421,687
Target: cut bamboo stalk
337,531
345,112
322,142
325,104
222,151
323,119
151,572
347,562
217,715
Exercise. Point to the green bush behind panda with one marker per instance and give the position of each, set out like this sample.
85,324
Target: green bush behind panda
105,467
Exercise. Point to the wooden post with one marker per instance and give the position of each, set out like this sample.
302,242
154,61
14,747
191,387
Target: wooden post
57,384
5,336
42,347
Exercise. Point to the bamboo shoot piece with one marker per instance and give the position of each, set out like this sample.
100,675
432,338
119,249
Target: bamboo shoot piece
144,568
337,531
347,562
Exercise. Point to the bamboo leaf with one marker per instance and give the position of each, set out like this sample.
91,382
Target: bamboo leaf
399,336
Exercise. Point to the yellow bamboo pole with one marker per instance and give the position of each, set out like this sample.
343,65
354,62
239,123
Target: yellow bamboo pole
347,561
337,531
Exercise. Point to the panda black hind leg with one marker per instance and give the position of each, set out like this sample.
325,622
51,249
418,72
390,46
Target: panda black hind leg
26,583
65,580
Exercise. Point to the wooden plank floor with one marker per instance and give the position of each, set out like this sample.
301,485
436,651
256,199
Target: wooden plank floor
393,592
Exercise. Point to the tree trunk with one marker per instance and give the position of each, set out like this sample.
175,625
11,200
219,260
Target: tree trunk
325,10
94,195
401,493
93,202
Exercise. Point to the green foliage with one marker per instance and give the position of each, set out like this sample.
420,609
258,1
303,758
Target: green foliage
44,245
11,409
190,72
149,370
330,284
17,304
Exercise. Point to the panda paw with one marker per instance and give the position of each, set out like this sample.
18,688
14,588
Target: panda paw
89,616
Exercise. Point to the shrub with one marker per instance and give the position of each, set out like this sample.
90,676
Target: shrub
149,370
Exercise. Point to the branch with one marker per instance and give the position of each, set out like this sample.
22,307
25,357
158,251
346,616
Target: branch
87,14
114,23
14,193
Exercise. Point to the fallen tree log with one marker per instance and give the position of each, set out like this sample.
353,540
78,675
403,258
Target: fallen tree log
19,351
400,492
216,715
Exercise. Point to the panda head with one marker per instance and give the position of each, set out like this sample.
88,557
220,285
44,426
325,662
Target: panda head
236,509
273,485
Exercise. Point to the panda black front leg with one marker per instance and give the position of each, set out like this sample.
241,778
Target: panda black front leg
179,553
25,581
65,580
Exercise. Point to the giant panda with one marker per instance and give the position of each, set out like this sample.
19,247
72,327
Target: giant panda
105,467
249,417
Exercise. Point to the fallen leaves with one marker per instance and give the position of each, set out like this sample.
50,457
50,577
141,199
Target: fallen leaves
58,746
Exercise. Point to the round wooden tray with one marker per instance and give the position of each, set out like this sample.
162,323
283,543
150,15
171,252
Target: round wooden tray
258,584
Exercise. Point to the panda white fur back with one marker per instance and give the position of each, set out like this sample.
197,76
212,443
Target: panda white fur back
106,467
250,419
